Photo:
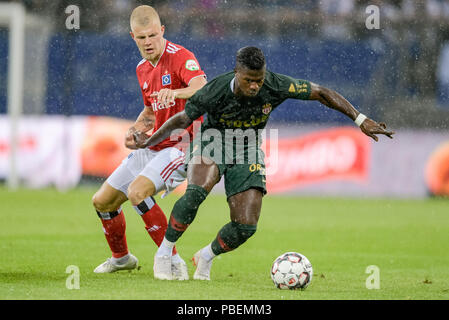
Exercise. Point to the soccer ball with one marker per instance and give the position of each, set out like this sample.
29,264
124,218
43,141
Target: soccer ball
291,270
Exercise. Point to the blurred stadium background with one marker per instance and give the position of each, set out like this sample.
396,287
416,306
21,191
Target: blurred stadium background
80,92
63,119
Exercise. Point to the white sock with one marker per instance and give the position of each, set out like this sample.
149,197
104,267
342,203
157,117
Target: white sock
121,260
207,253
166,248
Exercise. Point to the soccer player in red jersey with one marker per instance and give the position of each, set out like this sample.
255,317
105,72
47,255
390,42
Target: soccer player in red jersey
168,75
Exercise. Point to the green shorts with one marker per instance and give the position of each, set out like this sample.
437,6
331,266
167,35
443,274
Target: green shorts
238,177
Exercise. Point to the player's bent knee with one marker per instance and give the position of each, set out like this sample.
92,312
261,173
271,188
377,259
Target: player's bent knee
136,196
140,189
97,203
103,206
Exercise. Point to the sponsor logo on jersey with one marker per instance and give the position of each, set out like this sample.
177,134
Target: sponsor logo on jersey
244,123
166,79
266,108
159,106
192,65
228,115
145,85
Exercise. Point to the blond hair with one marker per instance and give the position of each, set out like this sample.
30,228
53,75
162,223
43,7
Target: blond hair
143,16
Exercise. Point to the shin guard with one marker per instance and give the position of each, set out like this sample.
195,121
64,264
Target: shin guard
184,211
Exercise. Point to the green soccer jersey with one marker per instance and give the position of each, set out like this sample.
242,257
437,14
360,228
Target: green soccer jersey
230,135
225,110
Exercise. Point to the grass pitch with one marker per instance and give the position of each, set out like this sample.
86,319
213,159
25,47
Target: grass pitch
42,232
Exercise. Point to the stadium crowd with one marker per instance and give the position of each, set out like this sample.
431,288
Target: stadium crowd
342,19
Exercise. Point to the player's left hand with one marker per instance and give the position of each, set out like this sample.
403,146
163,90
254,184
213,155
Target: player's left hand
165,96
371,128
141,139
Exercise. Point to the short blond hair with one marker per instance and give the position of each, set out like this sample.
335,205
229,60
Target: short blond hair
143,16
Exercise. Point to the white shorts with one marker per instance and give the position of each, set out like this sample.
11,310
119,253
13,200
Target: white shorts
165,168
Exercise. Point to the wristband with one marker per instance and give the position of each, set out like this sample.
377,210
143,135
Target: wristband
360,118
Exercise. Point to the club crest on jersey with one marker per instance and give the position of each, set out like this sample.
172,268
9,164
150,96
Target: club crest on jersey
266,108
166,79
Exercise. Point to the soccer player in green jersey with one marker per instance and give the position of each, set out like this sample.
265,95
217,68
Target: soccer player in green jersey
239,102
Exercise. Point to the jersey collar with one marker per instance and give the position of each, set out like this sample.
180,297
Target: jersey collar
232,84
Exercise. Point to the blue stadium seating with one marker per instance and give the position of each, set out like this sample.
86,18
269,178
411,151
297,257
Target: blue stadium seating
94,74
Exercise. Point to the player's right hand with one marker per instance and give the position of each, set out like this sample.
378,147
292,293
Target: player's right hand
371,128
129,139
165,96
141,139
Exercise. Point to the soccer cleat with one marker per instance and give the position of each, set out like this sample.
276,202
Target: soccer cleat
202,271
109,266
179,271
162,268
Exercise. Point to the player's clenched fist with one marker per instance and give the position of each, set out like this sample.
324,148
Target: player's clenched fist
141,139
129,139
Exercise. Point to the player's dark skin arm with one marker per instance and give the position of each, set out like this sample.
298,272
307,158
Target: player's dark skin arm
336,101
178,121
203,172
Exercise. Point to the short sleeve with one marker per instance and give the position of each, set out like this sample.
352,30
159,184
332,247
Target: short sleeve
293,88
194,108
189,67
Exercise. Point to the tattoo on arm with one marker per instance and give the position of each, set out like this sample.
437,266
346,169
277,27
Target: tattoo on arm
144,123
148,122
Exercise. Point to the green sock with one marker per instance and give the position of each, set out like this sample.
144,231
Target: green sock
184,211
231,236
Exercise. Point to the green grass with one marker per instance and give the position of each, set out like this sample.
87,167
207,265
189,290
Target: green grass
43,231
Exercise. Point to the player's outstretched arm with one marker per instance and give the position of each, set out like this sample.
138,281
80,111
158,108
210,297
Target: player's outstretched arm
336,101
144,123
167,96
178,121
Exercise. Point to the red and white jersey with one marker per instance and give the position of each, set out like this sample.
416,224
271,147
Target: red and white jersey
176,67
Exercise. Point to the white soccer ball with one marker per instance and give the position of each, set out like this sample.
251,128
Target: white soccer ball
291,270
